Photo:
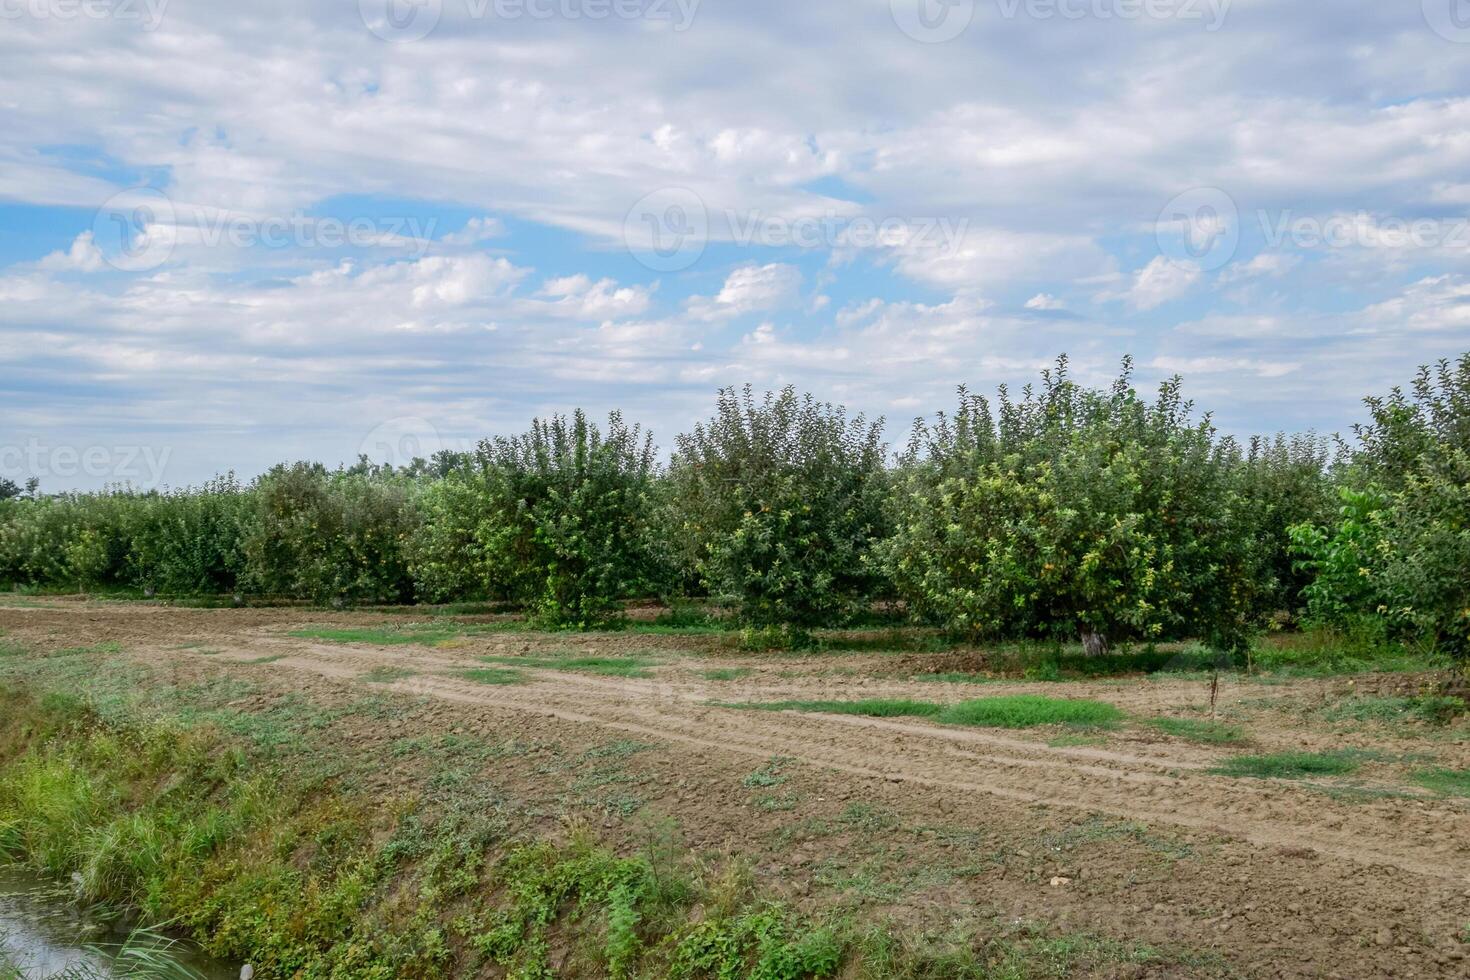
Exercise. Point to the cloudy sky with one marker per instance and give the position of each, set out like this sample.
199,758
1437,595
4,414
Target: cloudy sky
233,234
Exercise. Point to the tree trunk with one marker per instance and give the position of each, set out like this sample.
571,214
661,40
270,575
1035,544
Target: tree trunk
1094,644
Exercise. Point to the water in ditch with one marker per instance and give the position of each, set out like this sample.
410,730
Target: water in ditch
44,933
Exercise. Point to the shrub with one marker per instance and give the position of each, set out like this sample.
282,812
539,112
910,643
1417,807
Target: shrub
776,504
446,557
559,519
330,536
1397,561
189,541
1074,512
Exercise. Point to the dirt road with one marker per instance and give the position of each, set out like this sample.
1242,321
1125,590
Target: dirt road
1125,833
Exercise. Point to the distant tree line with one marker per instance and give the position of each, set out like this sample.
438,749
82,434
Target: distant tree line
1060,512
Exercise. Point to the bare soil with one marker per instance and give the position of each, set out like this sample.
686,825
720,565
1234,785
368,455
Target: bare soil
1125,834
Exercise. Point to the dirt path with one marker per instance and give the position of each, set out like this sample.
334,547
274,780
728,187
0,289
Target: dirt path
1292,871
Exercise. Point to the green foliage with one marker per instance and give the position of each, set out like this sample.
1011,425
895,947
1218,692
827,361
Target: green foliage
1397,561
558,519
775,505
759,944
188,541
1341,591
330,536
1075,512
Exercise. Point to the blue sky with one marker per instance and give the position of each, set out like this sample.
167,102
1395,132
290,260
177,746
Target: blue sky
232,234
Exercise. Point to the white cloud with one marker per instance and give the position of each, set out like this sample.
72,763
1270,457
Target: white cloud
1161,281
750,289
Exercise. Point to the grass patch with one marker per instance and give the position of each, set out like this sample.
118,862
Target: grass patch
726,673
1015,711
1429,710
604,666
491,675
1206,732
1029,711
873,707
387,637
1446,782
387,675
1290,765
956,677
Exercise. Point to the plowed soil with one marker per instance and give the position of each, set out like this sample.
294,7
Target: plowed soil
1126,834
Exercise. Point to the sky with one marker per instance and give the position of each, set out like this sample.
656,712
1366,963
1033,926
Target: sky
238,234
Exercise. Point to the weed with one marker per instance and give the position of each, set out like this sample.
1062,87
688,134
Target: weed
1207,732
768,775
1290,765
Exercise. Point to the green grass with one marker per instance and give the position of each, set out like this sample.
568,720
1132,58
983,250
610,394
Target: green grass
1013,711
387,637
1428,710
491,675
604,666
956,677
384,674
1030,710
726,673
873,707
1207,732
1446,782
1290,765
